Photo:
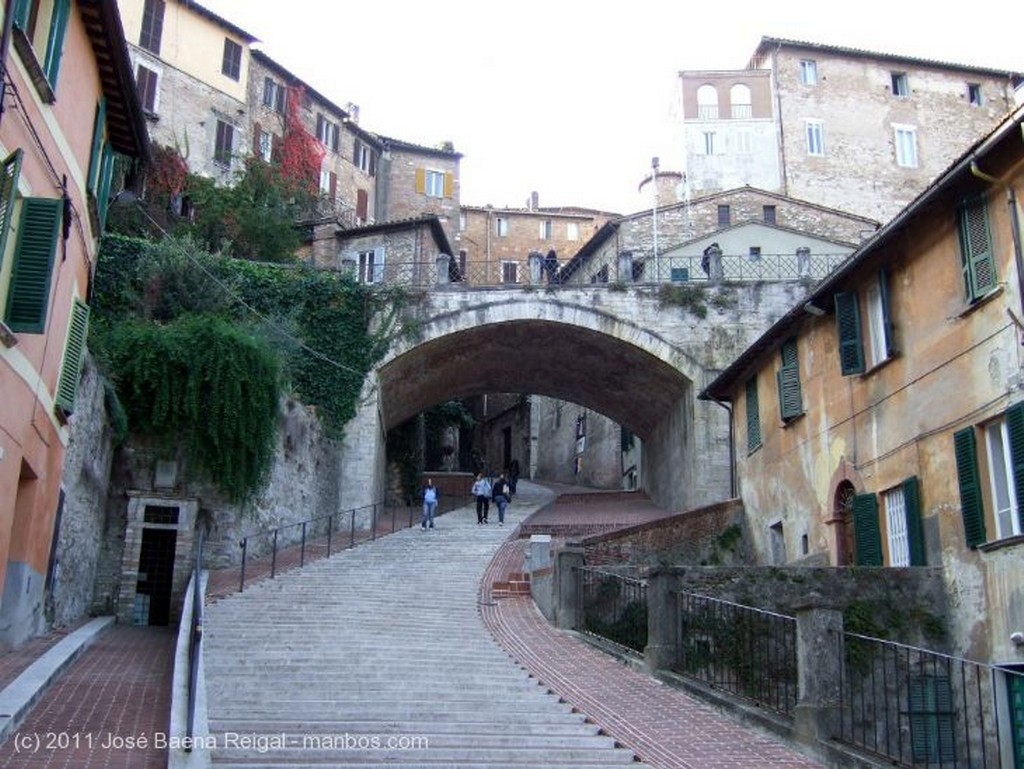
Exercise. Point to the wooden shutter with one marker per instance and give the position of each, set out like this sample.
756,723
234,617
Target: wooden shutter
96,154
362,203
373,163
421,181
55,40
8,191
753,416
103,193
976,249
1015,429
319,127
851,346
29,293
971,508
449,185
788,377
71,370
866,531
355,152
915,528
932,739
883,298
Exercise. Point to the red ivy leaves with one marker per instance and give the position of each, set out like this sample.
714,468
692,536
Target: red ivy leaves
301,153
167,172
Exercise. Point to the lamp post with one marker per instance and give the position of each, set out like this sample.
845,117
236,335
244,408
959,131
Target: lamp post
654,218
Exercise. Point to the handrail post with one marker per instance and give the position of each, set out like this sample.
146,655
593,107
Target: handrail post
352,537
302,550
244,545
394,513
330,528
273,557
373,523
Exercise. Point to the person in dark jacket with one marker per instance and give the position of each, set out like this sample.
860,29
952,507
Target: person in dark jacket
500,495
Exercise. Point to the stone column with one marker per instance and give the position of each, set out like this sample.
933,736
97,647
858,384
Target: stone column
819,649
716,272
567,595
625,267
662,622
534,262
443,262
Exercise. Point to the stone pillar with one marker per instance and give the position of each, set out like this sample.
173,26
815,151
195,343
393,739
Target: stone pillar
662,622
803,262
443,263
716,272
567,594
534,262
819,645
625,267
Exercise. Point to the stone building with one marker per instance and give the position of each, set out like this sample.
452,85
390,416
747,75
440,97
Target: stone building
881,423
416,181
70,114
849,129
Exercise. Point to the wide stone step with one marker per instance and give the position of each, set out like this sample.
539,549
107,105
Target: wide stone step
542,756
564,727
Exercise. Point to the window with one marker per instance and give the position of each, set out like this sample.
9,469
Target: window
545,230
371,266
1001,477
362,204
572,231
710,145
510,272
896,526
906,146
232,62
904,529
44,25
753,417
29,288
754,254
501,226
327,132
740,103
707,103
768,214
8,193
932,725
273,94
224,143
976,256
435,184
462,221
899,84
723,216
148,84
974,94
808,72
815,138
325,180
101,165
152,26
364,158
74,349
744,142
262,143
788,376
850,332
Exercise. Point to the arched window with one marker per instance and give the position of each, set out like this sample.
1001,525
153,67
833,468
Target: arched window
843,518
707,103
740,102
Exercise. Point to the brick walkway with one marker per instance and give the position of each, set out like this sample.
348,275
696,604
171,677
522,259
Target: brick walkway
13,662
119,688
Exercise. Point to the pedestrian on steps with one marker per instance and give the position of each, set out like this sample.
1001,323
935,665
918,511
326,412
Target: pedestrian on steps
429,504
482,491
500,495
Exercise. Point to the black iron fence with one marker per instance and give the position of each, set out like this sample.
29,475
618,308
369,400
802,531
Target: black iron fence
916,707
747,652
613,606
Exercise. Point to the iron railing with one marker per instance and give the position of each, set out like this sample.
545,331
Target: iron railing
747,652
613,606
916,707
195,641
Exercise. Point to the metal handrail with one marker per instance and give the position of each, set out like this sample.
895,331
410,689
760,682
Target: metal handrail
195,641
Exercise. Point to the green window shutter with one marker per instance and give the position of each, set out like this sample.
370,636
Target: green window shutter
977,260
971,507
55,40
103,191
21,13
96,154
883,295
932,739
28,298
851,348
1015,428
8,192
866,532
788,376
753,416
915,527
67,387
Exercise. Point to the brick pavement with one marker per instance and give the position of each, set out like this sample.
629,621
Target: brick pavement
120,688
14,662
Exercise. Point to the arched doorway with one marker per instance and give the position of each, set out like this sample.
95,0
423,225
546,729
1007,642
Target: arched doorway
842,516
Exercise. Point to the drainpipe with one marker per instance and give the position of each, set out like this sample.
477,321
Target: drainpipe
1011,200
5,45
732,448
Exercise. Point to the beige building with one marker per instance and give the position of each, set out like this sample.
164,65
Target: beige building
853,130
881,423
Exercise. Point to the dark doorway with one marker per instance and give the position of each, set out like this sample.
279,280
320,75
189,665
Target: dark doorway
156,570
843,516
506,448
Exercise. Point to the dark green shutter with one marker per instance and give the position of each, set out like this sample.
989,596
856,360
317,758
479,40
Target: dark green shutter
753,416
915,528
788,377
103,185
866,531
1015,428
971,508
932,739
78,327
21,13
883,296
96,154
28,297
851,348
8,192
55,40
977,260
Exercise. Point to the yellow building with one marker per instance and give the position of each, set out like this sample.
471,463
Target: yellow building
71,109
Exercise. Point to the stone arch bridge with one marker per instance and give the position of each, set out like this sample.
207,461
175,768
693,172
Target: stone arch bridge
621,351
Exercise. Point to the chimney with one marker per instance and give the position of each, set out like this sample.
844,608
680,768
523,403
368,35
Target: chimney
533,200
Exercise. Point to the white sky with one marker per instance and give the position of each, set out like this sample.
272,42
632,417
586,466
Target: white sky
572,98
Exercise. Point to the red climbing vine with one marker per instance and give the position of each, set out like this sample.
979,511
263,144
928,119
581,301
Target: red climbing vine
301,153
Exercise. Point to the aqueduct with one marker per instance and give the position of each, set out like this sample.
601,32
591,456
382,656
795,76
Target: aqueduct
623,352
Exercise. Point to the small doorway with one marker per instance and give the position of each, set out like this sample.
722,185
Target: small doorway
843,517
156,574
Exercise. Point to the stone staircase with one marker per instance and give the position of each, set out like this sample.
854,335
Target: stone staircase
377,656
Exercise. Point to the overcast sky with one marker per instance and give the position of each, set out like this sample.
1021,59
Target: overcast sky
569,98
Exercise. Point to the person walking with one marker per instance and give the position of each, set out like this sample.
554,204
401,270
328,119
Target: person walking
500,495
429,505
482,491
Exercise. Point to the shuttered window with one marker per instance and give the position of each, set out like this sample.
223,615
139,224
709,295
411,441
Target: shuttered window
866,531
71,370
915,527
28,298
753,417
55,40
1015,429
99,132
788,375
851,346
362,204
932,738
971,508
152,26
976,258
8,191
